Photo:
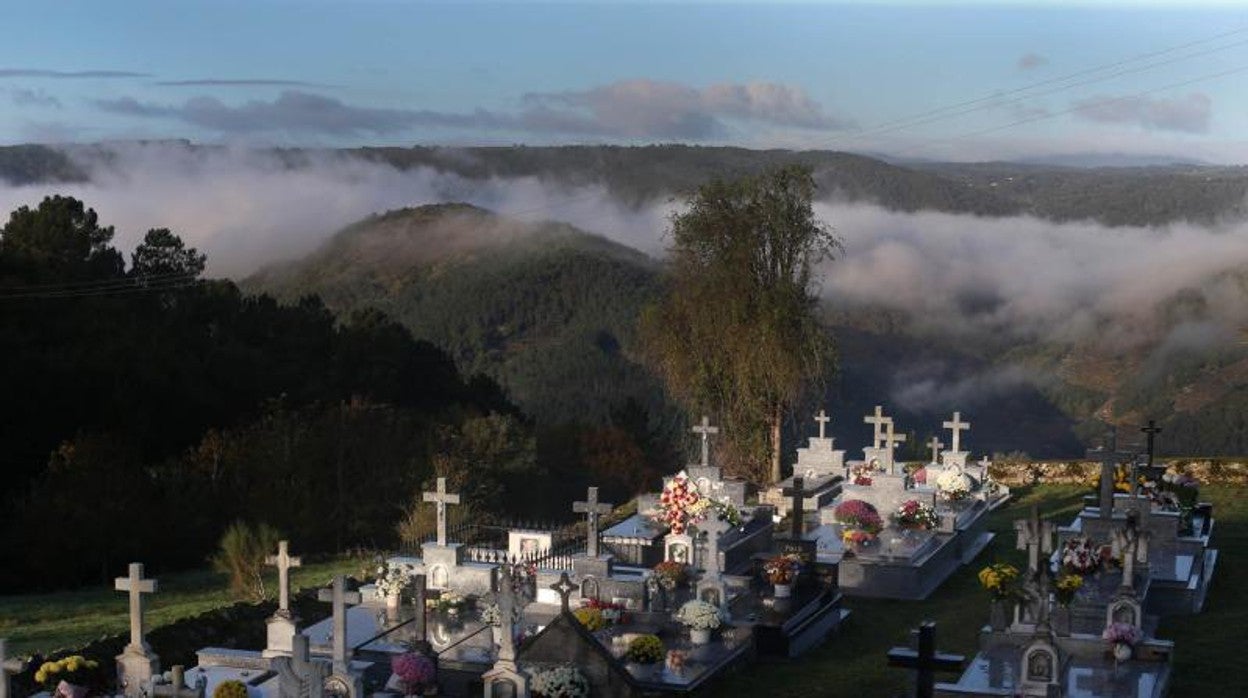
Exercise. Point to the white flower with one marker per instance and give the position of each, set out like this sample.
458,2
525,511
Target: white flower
700,615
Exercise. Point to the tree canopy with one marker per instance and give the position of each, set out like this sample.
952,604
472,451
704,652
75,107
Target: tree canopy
737,334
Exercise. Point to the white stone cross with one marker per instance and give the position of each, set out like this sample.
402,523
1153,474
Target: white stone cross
890,441
935,445
441,498
137,586
1108,455
1035,535
957,426
592,509
506,609
877,421
340,597
8,667
823,420
705,430
1131,544
713,527
283,560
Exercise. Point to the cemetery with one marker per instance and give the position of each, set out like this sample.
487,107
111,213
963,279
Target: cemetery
706,579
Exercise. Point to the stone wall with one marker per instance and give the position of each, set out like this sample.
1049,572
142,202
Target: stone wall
1209,471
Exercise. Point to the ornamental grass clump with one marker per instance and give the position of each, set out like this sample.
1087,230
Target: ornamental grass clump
700,615
858,514
232,688
645,649
560,682
1000,580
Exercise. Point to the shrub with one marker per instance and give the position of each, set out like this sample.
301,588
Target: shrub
645,649
241,556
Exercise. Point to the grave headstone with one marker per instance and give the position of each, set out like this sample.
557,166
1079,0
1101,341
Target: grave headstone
1130,544
935,445
1040,668
592,509
340,597
505,672
1035,535
955,456
925,660
1109,457
282,625
440,498
300,676
137,664
8,667
705,431
712,558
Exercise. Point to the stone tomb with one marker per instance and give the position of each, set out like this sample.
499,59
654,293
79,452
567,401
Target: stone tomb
821,467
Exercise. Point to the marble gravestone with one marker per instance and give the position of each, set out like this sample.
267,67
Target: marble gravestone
821,467
137,664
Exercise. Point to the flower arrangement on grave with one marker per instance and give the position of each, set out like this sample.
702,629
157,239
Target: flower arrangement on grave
1000,580
857,514
612,612
954,485
915,515
68,676
415,671
591,618
856,537
682,505
699,615
492,614
391,581
1122,639
564,681
782,569
676,660
1066,587
671,574
232,688
645,649
1083,557
449,601
863,472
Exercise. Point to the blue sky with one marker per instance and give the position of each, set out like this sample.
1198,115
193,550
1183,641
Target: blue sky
321,73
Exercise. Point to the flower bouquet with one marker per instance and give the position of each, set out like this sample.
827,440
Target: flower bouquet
1122,637
564,681
676,660
782,569
701,618
493,615
612,613
671,574
645,649
449,601
415,672
68,677
915,515
392,581
591,618
954,485
1080,556
1000,580
1066,587
857,514
862,473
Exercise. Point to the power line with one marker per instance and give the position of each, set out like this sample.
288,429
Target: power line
62,285
168,285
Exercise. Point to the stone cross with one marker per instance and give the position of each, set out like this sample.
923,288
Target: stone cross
506,609
564,587
1132,544
705,430
441,498
283,561
8,667
891,441
957,426
935,445
1108,455
823,420
984,462
926,661
136,585
340,597
300,676
1152,430
797,514
1035,535
592,509
877,421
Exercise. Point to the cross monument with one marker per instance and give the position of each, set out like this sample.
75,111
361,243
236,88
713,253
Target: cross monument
705,430
926,661
823,420
340,597
592,509
957,426
441,498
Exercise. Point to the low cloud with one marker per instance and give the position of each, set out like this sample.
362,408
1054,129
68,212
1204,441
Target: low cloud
237,82
627,109
1031,61
22,97
68,74
1190,113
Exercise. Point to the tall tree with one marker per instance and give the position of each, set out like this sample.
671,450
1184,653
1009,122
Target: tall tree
736,333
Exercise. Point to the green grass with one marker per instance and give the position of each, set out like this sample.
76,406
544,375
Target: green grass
852,663
45,622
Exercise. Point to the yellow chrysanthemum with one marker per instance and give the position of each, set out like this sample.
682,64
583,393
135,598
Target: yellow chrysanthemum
40,676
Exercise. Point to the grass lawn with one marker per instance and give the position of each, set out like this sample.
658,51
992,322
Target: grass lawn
44,622
852,663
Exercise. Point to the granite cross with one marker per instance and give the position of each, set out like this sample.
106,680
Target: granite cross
299,674
564,587
441,498
705,430
823,420
1127,545
935,445
1108,456
926,661
506,609
340,597
891,441
1152,430
283,561
1035,535
592,509
877,421
8,667
136,585
797,514
957,426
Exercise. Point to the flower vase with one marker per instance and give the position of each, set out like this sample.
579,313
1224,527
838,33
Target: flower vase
784,591
998,615
699,636
392,601
1122,651
497,633
65,689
